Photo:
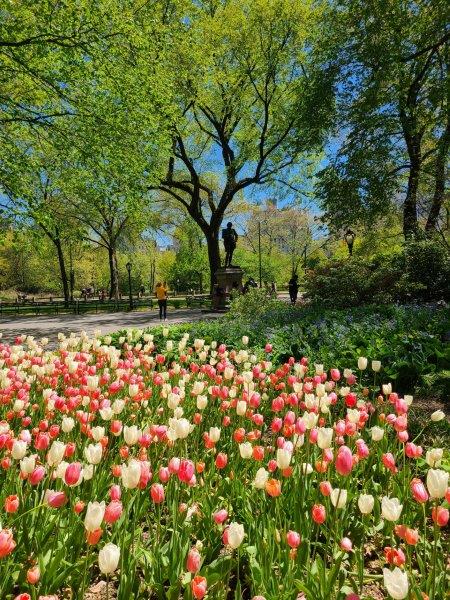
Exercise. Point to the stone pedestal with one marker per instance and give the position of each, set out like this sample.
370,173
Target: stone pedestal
228,279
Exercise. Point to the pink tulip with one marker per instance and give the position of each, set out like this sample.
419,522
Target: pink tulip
418,490
164,474
115,492
220,516
440,515
73,473
293,539
186,470
7,543
37,475
335,374
157,493
193,560
113,511
55,499
346,544
174,464
389,462
344,461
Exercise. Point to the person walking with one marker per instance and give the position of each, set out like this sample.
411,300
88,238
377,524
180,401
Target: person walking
161,295
293,289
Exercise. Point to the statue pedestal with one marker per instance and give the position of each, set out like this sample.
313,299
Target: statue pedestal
228,279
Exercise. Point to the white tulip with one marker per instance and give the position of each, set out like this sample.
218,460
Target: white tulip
93,453
391,509
434,456
366,503
118,406
202,402
241,408
133,390
214,434
56,453
19,449
182,428
245,340
306,468
97,433
131,474
131,434
437,483
94,515
376,366
387,389
108,558
261,478
67,424
438,415
377,433
88,472
324,437
283,458
106,413
28,464
92,382
362,363
319,369
235,535
396,583
246,450
338,497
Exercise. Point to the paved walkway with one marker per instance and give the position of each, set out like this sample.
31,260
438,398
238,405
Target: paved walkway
50,326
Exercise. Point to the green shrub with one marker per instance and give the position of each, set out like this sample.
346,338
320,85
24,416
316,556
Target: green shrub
419,271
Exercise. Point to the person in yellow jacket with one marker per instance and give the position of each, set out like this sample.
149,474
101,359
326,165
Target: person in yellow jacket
161,295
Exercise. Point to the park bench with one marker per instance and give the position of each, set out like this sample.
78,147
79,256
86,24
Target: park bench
200,301
76,307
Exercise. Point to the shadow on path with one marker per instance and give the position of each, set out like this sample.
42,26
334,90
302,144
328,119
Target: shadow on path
50,325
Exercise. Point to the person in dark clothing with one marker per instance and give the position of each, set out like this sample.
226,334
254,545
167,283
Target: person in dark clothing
293,288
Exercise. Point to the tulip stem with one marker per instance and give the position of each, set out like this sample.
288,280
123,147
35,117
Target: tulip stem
433,584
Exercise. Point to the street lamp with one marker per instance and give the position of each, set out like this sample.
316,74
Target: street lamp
128,265
350,238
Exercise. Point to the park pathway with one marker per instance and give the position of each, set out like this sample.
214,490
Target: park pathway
50,326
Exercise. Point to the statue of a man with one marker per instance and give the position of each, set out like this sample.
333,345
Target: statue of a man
230,238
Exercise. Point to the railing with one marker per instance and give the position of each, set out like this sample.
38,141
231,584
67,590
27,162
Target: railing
76,307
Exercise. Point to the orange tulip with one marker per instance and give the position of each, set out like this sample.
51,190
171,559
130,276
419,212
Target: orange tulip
273,487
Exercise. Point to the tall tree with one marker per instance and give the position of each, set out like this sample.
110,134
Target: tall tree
249,109
392,65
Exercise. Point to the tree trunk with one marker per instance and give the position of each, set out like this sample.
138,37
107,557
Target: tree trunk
62,269
212,240
113,274
440,177
410,223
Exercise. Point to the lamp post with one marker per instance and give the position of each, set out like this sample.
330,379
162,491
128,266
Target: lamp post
349,239
128,265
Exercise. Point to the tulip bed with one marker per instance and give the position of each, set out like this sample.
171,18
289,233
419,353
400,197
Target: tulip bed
193,471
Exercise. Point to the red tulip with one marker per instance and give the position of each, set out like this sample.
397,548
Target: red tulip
221,460
318,513
199,587
186,470
12,504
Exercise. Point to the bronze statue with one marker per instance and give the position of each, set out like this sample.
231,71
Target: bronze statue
230,238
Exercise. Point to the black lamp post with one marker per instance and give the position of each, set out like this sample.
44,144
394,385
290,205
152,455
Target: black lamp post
350,238
128,265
